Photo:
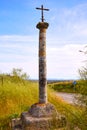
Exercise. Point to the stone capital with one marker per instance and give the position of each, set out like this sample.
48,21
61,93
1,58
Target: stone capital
42,25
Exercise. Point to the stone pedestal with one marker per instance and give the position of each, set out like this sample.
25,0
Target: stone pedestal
42,110
39,117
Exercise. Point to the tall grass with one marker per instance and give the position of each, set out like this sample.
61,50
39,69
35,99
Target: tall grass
17,96
73,114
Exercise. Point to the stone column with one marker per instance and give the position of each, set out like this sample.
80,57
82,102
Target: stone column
42,26
40,115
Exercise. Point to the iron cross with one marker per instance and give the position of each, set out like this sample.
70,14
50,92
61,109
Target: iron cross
42,9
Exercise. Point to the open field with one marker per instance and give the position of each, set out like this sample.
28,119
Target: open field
17,96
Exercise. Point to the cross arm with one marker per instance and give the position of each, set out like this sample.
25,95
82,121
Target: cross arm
42,9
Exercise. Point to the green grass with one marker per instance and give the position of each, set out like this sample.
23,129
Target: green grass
17,96
65,86
73,114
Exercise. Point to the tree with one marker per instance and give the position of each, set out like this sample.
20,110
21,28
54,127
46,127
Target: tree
83,91
83,81
19,73
83,75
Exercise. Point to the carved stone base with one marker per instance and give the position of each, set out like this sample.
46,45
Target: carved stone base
40,117
41,123
42,110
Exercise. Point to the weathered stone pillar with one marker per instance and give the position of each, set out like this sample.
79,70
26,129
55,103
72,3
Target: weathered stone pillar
42,26
40,115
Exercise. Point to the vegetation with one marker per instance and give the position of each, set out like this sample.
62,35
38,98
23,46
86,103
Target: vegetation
83,89
18,73
73,114
17,96
65,86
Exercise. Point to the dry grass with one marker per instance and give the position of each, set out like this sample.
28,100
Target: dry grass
16,97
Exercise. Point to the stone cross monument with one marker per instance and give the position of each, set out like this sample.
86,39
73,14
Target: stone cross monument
40,115
42,26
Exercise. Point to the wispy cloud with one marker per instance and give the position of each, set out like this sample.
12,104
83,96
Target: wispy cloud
19,52
17,38
70,24
62,61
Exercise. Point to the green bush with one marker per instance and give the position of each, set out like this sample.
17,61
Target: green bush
65,86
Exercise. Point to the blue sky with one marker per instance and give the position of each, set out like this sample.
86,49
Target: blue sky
66,35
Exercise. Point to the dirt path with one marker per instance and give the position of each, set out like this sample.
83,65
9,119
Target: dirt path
68,97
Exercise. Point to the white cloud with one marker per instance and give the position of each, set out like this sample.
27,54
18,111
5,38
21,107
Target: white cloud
62,61
69,24
17,38
18,52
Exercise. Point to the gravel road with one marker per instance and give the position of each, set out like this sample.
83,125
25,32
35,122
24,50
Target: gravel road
68,97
